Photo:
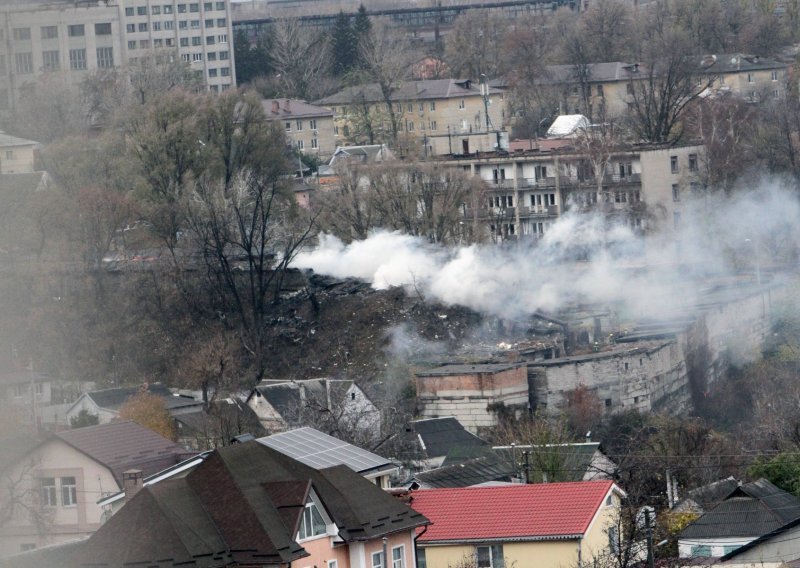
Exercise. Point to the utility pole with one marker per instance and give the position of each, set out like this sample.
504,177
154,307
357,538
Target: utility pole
484,81
649,535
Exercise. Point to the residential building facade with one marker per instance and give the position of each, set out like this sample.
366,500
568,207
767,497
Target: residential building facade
432,113
526,191
79,37
17,155
308,128
750,77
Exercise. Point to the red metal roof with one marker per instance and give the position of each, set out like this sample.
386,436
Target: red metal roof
533,511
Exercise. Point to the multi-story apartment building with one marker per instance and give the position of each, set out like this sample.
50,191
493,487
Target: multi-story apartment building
80,36
309,128
438,113
751,77
527,190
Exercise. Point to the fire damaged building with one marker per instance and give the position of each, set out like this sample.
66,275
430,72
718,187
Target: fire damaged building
667,365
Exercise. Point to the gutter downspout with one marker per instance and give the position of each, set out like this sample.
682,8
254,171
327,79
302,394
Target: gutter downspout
416,548
580,560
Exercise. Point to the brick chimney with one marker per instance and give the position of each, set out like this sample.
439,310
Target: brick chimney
132,483
287,105
275,107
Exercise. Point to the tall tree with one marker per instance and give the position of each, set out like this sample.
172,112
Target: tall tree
344,45
252,58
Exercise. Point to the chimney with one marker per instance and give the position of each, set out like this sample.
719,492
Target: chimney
132,483
287,105
275,107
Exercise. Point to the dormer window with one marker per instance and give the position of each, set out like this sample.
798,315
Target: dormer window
312,524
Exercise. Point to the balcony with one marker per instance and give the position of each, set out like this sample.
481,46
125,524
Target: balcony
539,211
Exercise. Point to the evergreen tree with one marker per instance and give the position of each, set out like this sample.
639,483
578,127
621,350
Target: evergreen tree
251,60
343,45
362,29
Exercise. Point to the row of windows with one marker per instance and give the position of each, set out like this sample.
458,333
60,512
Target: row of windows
168,25
181,8
51,32
184,42
51,60
302,146
673,163
398,558
49,491
312,125
398,107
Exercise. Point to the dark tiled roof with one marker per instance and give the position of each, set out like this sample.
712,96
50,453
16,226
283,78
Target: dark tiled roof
124,445
709,495
224,420
241,505
600,72
112,399
440,436
738,62
472,472
754,509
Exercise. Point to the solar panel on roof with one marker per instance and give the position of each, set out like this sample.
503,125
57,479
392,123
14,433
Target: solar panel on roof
318,450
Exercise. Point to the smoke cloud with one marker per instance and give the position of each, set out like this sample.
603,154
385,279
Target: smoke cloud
651,276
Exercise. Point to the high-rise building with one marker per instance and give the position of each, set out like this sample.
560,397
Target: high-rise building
77,37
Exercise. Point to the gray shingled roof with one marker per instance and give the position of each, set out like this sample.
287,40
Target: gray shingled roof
8,140
296,109
440,436
406,91
113,399
752,510
604,71
124,445
739,62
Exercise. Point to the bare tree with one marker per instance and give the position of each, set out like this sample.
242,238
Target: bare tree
387,57
475,46
299,58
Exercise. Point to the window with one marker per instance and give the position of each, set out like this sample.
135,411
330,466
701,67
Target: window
22,34
194,7
222,38
185,56
169,25
155,10
300,145
212,72
130,28
335,130
629,89
25,547
19,390
195,24
105,57
209,23
432,125
49,32
76,31
141,10
775,93
299,124
212,56
156,26
210,40
185,42
49,498
314,143
208,6
490,556
398,556
676,219
673,164
24,63
599,90
774,76
377,560
183,25
311,524
676,192
132,44
222,22
143,27
129,12
220,5
77,59
421,560
167,8
433,105
312,124
333,564
102,29
197,56
197,40
750,78
144,44
461,104
51,61
692,162
701,550
287,126
169,42
410,126
225,71
181,8
69,492
223,55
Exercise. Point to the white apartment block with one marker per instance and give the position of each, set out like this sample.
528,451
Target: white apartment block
79,36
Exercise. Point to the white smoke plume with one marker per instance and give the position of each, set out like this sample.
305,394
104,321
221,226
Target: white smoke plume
641,276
